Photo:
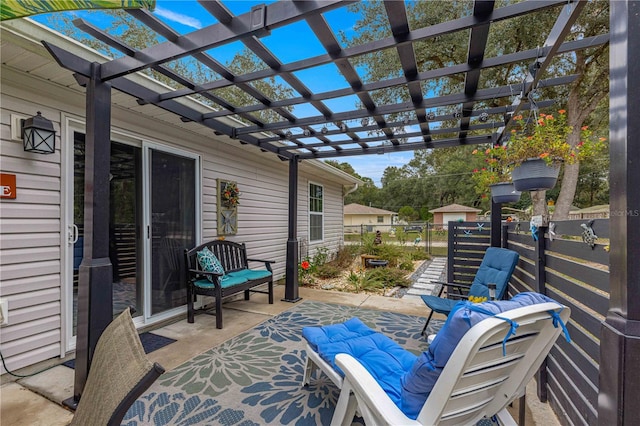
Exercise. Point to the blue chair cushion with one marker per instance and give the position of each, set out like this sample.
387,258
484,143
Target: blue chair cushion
251,274
209,262
418,382
335,332
497,266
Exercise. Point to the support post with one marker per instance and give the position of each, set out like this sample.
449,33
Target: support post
541,287
291,280
496,223
95,294
619,393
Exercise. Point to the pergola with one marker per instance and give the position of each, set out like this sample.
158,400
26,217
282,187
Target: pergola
426,121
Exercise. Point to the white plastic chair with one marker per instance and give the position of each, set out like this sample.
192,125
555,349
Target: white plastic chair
477,382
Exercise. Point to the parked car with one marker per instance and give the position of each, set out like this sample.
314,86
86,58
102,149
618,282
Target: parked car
413,228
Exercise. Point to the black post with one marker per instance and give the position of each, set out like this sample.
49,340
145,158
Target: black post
451,238
619,393
291,280
505,236
541,279
95,296
496,223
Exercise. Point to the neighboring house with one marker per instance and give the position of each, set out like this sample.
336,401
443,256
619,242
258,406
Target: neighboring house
164,184
593,212
452,213
357,215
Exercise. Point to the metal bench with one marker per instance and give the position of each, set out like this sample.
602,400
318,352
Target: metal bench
238,277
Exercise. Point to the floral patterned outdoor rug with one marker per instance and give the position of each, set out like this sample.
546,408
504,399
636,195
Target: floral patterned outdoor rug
255,378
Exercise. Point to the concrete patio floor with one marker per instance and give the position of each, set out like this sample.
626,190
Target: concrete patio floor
37,400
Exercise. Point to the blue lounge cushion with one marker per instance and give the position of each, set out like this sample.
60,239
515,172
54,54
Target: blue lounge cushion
335,332
385,360
418,382
209,263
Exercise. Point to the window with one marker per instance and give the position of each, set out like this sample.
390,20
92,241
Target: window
380,219
316,208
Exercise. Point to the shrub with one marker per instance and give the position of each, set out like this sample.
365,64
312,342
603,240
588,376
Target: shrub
388,277
390,252
328,271
420,255
344,256
407,265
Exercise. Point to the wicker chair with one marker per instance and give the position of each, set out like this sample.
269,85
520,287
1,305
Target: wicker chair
120,372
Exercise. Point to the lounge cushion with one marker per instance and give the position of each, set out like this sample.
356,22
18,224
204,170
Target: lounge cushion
385,360
418,382
335,332
209,262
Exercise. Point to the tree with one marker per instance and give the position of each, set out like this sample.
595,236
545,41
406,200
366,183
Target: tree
367,194
407,214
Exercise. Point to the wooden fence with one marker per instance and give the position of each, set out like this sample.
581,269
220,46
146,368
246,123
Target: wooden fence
563,266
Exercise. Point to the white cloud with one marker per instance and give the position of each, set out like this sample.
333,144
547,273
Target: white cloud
178,17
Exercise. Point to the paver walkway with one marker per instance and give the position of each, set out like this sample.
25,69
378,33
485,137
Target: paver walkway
425,284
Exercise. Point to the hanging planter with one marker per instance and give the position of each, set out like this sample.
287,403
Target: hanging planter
535,174
504,192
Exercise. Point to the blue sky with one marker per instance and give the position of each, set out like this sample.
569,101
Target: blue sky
186,16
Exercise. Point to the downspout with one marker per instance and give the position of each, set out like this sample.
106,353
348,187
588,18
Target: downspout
355,186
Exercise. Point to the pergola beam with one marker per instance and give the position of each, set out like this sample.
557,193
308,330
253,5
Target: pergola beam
421,34
502,60
484,94
272,16
81,66
412,146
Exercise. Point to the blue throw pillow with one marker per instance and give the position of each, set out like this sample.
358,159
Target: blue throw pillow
418,382
209,263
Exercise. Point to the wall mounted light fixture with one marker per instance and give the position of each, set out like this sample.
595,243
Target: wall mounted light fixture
38,135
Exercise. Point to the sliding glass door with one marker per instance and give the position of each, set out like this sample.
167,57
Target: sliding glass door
153,216
172,225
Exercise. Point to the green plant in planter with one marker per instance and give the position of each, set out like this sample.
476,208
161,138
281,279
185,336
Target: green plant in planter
545,137
496,169
542,137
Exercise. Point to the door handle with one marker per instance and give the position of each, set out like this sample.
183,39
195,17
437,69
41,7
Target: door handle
73,234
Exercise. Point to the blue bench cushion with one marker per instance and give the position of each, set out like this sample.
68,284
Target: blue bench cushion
335,332
418,382
227,281
383,358
251,274
234,278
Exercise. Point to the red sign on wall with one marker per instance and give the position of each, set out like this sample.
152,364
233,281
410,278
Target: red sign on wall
7,186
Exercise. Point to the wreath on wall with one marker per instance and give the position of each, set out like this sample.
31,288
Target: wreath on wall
230,195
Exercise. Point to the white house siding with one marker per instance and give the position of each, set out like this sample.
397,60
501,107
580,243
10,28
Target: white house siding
32,235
